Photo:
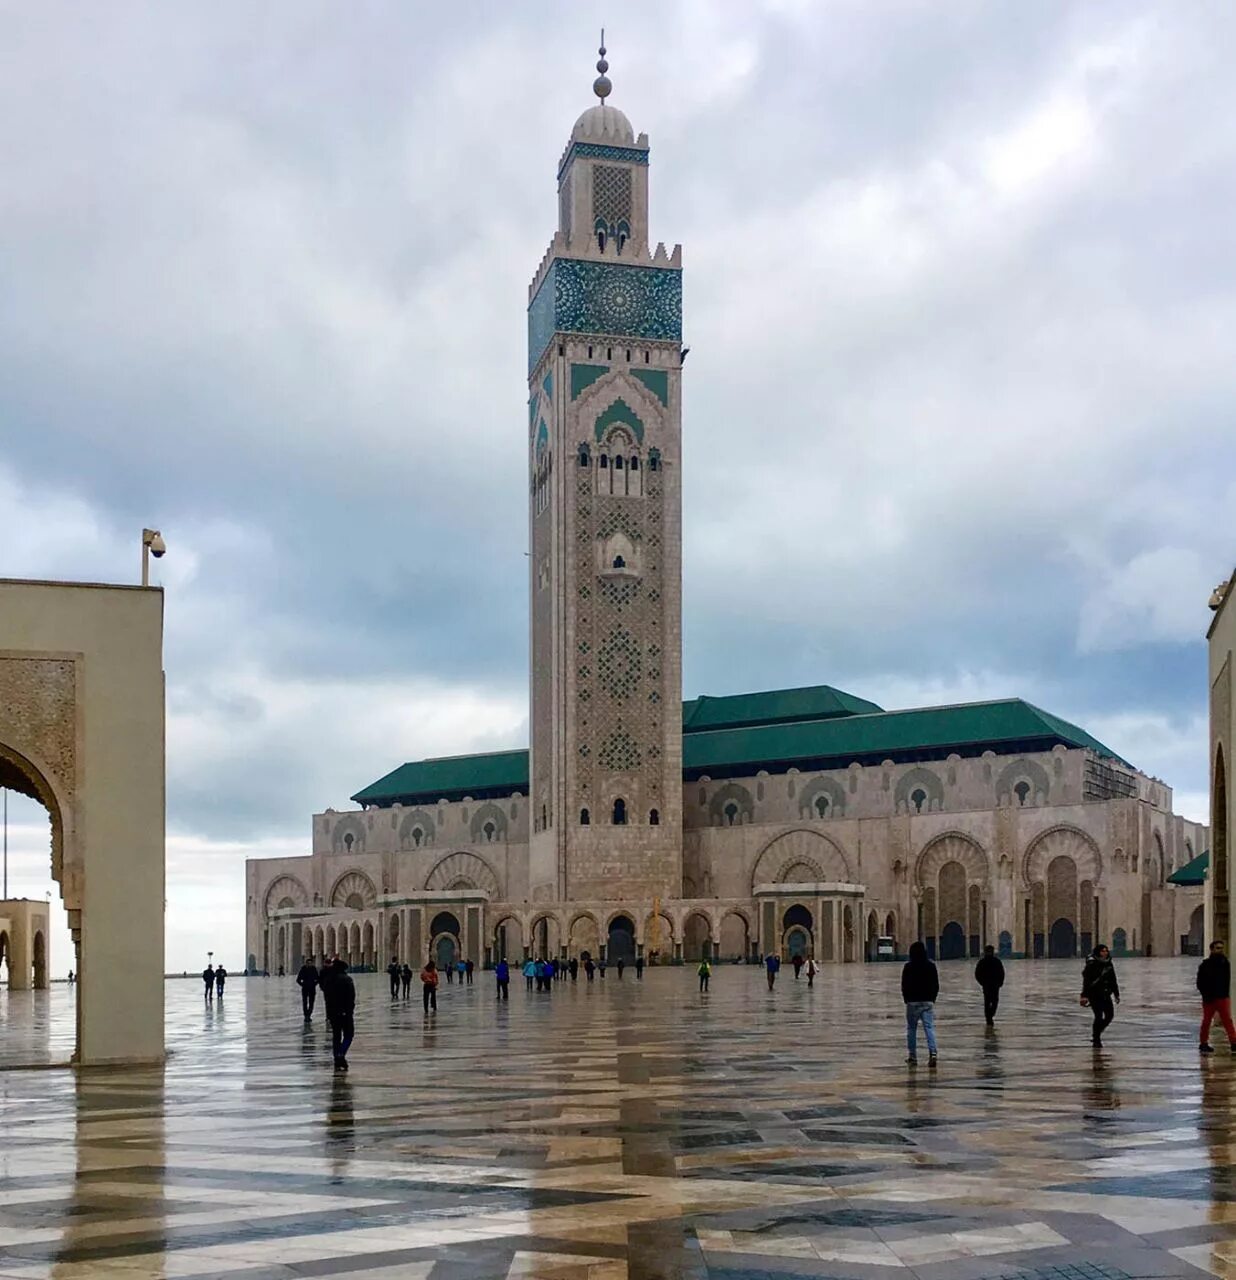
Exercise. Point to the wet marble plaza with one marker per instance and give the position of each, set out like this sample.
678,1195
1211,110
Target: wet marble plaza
629,1129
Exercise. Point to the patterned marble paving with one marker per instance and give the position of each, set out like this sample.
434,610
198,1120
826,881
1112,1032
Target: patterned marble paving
624,1131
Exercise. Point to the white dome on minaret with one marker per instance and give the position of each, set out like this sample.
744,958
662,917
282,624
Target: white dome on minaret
603,124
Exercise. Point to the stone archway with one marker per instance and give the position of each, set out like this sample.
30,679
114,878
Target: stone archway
697,939
82,732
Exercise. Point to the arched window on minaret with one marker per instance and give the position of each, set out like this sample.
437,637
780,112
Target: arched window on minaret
620,812
584,818
654,818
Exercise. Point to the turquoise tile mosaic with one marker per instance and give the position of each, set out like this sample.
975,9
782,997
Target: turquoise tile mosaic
602,151
605,298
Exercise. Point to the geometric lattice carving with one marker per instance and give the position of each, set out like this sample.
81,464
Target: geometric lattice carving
618,664
619,752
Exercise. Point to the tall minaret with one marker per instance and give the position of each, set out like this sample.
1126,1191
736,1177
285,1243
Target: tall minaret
605,509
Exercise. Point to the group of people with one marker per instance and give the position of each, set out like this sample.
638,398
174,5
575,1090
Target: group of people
772,966
1100,993
214,979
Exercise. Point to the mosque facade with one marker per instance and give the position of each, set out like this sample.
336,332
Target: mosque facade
796,821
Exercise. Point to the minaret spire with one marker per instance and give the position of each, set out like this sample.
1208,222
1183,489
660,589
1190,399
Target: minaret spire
601,86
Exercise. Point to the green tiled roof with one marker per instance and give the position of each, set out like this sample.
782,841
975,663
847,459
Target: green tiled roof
968,728
720,740
496,773
1193,873
777,706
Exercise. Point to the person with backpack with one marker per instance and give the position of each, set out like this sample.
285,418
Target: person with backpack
340,996
1214,985
920,988
1099,990
429,986
989,974
405,980
502,972
705,972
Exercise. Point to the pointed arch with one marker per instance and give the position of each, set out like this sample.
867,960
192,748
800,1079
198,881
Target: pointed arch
1062,840
354,885
474,871
284,891
822,857
951,846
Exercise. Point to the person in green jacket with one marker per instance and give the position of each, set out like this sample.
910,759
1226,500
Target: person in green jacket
705,972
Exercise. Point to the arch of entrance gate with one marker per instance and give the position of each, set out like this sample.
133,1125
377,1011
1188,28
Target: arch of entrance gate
81,732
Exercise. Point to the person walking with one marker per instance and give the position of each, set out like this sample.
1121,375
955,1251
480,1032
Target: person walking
589,968
574,968
502,973
772,963
220,979
1214,985
639,968
920,986
405,980
429,986
797,962
620,966
601,966
811,971
529,972
461,970
1099,990
340,997
449,970
705,972
469,968
392,972
989,974
307,981
208,981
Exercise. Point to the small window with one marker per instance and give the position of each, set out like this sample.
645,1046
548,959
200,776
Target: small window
490,832
589,353
654,818
821,806
601,239
585,458
604,462
584,818
619,562
620,813
628,355
544,818
1022,790
617,464
731,813
634,464
654,463
347,840
918,799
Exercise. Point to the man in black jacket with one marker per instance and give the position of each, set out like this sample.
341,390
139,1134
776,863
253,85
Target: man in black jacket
392,972
340,996
989,974
1099,989
920,985
307,981
1214,984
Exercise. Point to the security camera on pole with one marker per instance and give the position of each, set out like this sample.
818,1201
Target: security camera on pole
152,545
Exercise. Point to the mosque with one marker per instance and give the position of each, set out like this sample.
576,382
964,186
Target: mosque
792,821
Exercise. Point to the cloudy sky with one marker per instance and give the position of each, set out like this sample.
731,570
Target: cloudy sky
959,295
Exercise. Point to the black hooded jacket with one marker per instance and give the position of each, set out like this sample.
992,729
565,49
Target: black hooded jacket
920,980
1214,978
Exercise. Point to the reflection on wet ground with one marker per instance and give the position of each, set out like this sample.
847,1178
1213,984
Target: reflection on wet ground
613,1130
